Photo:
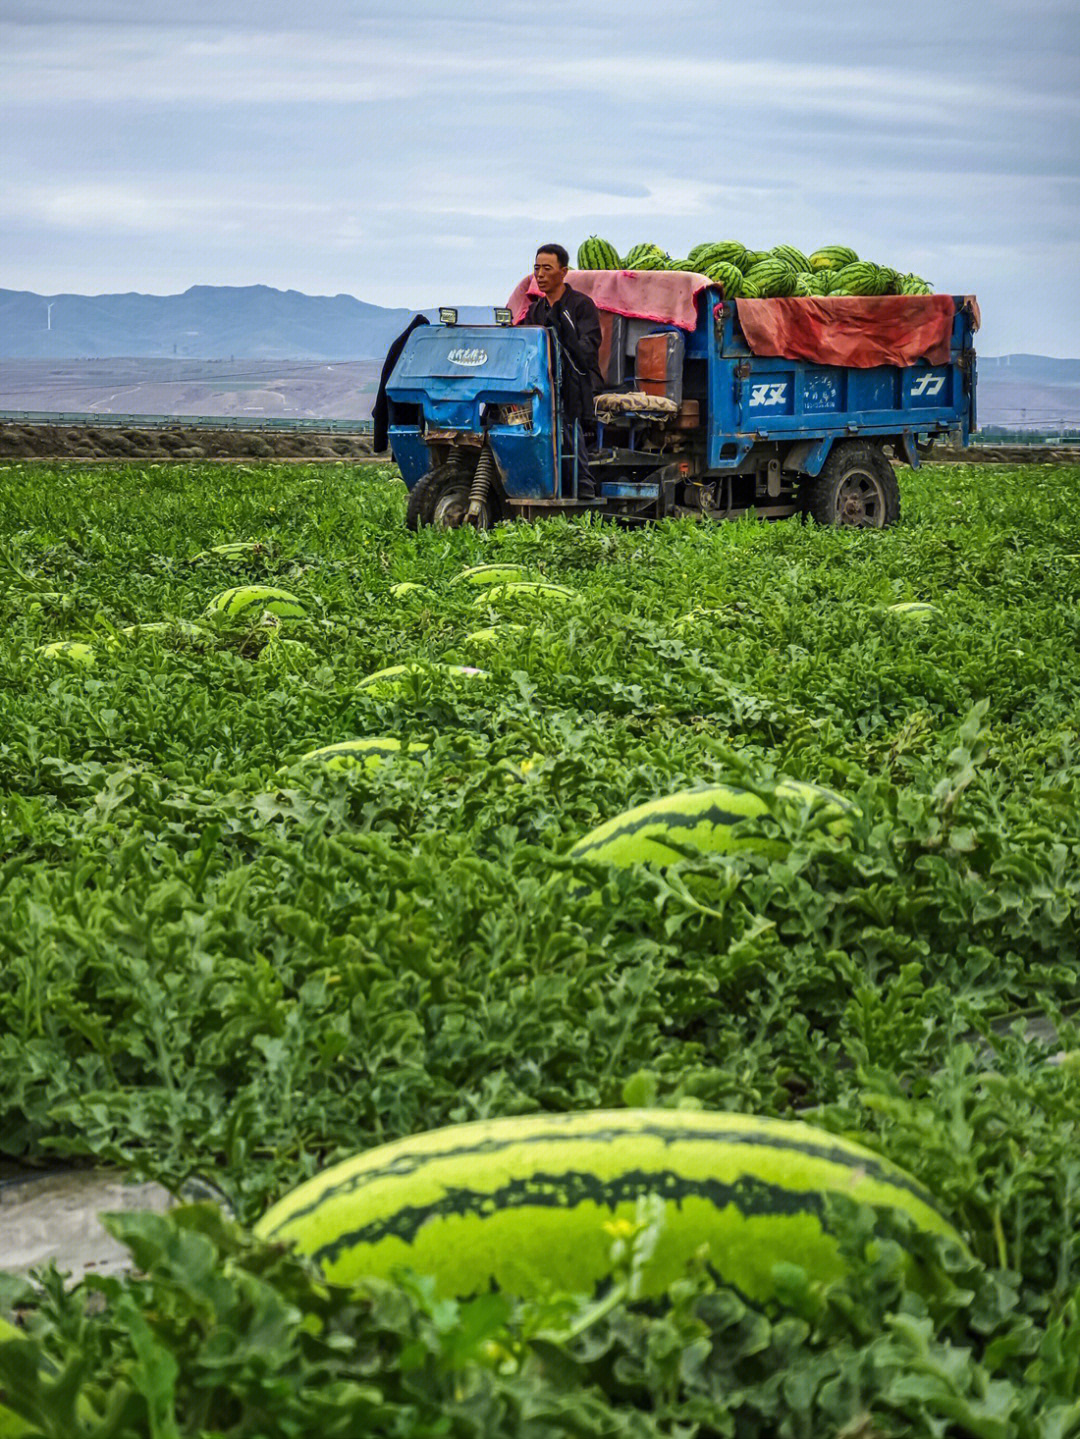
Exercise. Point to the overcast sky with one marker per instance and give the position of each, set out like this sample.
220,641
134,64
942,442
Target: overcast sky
414,152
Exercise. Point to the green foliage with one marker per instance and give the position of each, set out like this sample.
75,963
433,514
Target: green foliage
218,1335
216,963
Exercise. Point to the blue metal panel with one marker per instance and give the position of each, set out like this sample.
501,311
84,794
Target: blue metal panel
526,462
629,490
755,398
411,454
453,373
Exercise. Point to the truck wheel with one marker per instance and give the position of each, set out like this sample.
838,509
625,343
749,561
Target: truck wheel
441,498
856,487
429,490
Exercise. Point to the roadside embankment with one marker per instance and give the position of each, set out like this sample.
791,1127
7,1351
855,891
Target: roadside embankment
28,441
23,440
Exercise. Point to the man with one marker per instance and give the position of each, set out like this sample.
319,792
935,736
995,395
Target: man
576,321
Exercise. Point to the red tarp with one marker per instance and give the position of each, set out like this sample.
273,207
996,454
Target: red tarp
667,297
857,330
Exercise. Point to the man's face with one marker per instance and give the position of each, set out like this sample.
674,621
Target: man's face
549,273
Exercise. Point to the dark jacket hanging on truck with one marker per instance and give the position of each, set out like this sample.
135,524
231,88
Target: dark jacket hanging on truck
576,320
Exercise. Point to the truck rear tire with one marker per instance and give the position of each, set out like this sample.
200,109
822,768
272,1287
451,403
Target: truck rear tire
856,487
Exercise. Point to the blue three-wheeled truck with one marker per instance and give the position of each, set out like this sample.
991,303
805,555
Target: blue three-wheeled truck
692,420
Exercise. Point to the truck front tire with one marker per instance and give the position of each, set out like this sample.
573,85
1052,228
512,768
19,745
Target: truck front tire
857,486
441,497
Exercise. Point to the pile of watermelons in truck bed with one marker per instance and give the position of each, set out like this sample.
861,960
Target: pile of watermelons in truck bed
762,274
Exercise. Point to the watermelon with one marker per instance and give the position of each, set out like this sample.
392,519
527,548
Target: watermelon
690,266
728,276
914,609
174,628
748,290
750,258
394,679
410,589
597,254
701,821
234,550
833,257
697,252
72,652
643,252
772,277
650,262
349,753
492,634
863,278
913,285
525,592
529,1204
246,604
491,574
729,251
790,256
809,283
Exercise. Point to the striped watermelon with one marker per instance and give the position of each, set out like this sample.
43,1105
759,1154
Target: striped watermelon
833,257
750,258
914,609
748,290
491,574
863,278
790,256
729,251
827,279
530,1204
72,652
809,283
772,277
597,254
395,679
528,592
234,550
645,251
698,253
701,821
410,589
913,285
728,276
493,634
174,628
649,260
347,754
245,604
689,266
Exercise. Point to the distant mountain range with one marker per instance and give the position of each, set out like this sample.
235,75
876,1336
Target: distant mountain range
257,323
207,322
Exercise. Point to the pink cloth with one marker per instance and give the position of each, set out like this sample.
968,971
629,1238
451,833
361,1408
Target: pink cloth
857,330
667,297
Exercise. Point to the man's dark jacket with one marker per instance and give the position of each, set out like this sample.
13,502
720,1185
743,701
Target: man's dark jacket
381,412
576,321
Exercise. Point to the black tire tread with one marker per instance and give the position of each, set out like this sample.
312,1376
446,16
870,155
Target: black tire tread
820,492
424,494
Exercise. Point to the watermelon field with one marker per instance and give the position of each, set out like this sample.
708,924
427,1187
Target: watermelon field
225,966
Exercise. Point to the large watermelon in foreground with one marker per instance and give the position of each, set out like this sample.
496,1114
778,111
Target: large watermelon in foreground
531,1204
